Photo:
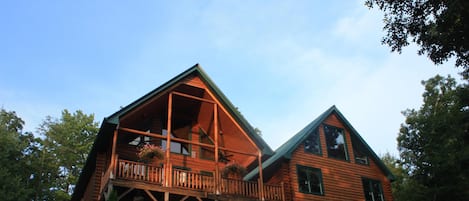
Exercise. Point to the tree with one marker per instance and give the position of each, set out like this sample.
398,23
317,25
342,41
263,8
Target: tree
69,140
43,166
11,148
403,188
16,164
399,173
433,142
439,27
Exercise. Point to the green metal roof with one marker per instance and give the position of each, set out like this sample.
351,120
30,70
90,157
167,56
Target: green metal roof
285,150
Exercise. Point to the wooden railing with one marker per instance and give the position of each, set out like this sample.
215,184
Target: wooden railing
139,171
240,187
196,181
251,189
192,180
274,192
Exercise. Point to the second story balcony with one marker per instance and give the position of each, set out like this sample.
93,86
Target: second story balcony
201,184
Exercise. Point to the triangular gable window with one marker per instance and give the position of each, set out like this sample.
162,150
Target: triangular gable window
313,143
360,156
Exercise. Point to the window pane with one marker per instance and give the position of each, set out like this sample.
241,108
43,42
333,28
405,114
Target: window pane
372,190
309,180
315,183
335,141
360,157
176,147
377,190
303,181
367,190
312,143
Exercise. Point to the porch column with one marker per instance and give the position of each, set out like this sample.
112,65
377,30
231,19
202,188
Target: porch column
215,130
261,176
113,154
167,169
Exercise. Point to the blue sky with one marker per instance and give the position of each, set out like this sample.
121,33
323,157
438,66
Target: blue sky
282,63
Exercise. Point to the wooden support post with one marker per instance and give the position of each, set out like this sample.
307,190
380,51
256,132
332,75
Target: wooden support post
261,177
116,166
168,175
166,196
113,153
108,191
125,193
216,133
150,195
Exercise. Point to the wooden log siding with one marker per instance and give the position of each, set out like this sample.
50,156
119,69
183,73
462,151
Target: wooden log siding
281,176
89,193
99,171
342,180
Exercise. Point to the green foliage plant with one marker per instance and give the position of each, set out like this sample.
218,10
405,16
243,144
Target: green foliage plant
433,143
439,27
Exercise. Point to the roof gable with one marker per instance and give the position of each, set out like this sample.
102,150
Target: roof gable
110,123
200,78
285,150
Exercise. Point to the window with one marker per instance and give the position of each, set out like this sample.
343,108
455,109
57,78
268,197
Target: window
176,147
313,144
205,152
360,157
140,140
309,180
372,189
335,142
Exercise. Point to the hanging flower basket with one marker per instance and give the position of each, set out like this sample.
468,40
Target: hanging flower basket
150,152
233,170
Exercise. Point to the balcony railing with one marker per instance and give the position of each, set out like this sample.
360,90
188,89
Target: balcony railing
195,181
139,171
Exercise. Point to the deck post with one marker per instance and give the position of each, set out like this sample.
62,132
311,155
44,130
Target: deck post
113,153
216,133
167,169
116,166
261,177
283,190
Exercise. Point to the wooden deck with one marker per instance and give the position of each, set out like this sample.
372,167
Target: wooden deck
196,182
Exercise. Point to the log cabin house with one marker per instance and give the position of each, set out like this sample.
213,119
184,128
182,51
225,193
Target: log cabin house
206,144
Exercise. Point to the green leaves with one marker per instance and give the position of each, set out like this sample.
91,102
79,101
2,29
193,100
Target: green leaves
439,27
15,169
69,139
44,168
433,142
